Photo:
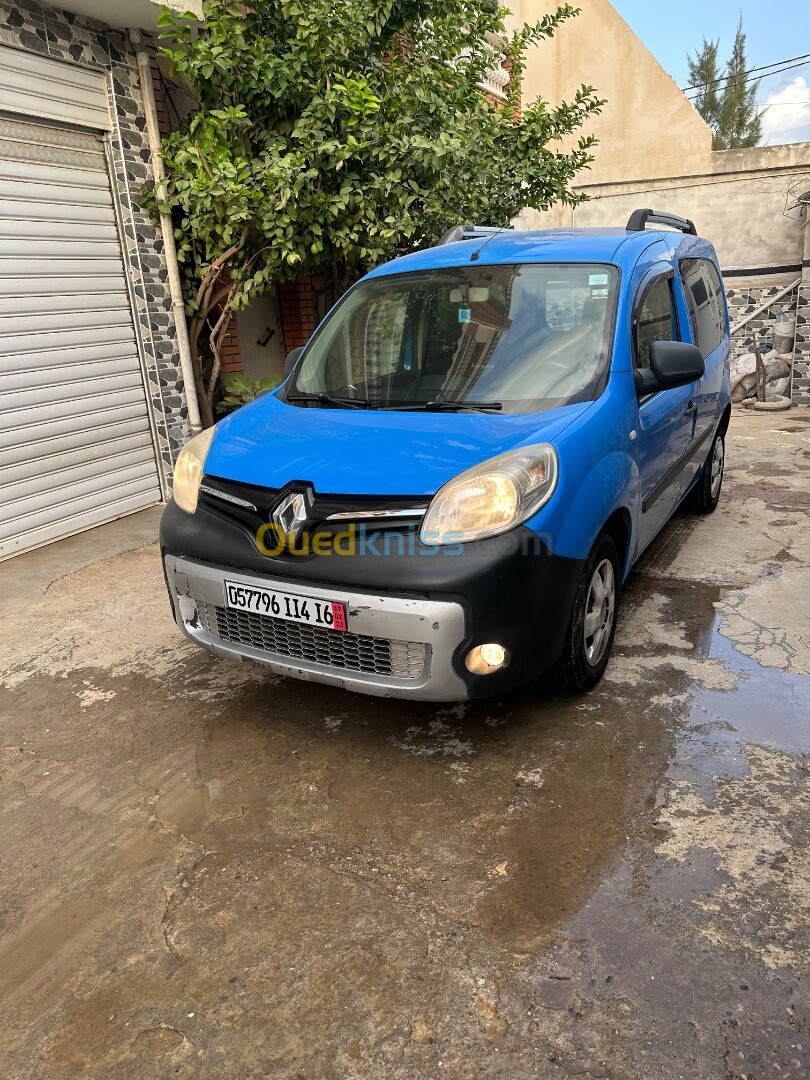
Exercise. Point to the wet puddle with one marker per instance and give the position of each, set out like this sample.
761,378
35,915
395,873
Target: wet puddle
535,871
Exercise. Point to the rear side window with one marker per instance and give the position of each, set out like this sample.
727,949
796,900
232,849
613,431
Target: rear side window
704,299
656,319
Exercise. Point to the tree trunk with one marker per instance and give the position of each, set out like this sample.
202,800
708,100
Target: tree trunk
208,297
206,413
335,284
217,339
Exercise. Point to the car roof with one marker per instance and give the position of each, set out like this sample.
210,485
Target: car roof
617,246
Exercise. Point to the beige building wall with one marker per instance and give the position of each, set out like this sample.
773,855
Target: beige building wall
655,150
647,128
745,201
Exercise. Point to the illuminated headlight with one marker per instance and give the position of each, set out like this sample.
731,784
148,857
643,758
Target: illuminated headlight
188,470
493,497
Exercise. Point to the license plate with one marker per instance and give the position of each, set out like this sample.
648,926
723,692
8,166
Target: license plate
295,607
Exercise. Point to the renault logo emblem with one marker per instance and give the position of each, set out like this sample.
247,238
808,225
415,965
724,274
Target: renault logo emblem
290,515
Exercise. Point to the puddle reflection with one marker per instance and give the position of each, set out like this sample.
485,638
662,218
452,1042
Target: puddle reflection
512,811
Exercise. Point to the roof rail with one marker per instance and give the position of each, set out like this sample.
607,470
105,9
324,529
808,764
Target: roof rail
639,218
469,232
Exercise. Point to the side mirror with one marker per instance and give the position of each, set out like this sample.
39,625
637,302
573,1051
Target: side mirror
672,363
292,359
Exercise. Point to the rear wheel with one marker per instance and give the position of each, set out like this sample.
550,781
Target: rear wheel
706,492
591,629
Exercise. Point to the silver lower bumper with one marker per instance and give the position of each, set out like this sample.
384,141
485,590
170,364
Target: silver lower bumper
395,646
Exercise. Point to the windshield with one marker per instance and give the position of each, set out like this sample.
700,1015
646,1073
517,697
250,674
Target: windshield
508,338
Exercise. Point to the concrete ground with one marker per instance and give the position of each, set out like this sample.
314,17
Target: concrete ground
209,872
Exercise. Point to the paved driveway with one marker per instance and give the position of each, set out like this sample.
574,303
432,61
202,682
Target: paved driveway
209,872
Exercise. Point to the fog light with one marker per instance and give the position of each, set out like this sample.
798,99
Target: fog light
485,659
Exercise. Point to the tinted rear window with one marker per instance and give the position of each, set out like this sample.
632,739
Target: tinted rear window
704,299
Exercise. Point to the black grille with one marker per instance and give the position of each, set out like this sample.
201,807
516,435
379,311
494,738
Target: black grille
331,648
262,500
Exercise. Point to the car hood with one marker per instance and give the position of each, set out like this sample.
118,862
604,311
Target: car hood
368,452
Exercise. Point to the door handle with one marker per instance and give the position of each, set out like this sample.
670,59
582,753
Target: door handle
691,407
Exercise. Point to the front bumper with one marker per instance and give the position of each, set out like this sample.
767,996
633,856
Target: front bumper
511,590
395,646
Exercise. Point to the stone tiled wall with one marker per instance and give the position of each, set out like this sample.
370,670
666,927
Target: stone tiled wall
742,301
65,36
797,302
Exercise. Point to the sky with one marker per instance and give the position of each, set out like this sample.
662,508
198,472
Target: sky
775,30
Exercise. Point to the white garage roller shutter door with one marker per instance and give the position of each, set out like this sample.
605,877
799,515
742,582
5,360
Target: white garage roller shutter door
76,444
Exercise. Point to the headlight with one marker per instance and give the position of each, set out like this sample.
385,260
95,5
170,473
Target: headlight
493,497
188,470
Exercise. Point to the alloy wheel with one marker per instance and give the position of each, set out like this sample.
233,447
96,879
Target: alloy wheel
718,460
599,609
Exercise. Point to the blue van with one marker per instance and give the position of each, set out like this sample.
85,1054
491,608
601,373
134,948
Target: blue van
476,445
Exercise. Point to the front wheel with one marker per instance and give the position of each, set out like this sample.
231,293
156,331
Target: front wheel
591,629
706,492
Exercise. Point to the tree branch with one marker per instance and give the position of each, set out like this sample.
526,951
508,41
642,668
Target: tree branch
217,334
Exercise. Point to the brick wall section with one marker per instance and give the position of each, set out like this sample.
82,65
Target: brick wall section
231,354
296,301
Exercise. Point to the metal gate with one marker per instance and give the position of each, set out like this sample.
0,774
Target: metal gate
76,441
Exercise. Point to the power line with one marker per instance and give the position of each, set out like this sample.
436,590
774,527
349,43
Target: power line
751,78
754,78
722,78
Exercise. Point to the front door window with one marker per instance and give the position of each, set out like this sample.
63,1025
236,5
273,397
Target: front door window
657,319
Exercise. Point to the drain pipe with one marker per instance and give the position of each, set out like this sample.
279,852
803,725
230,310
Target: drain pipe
144,59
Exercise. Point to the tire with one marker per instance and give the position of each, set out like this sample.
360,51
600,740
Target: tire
584,658
772,403
706,492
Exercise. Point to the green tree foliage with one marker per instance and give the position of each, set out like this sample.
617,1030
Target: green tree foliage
330,137
727,102
705,77
240,390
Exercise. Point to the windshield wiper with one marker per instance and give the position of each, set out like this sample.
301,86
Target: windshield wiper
417,406
327,399
446,406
